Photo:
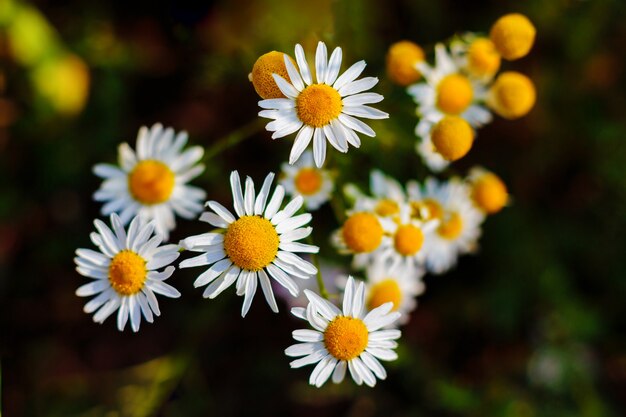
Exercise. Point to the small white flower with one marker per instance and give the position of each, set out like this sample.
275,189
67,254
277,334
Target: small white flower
256,244
125,272
398,282
447,91
152,182
322,110
344,339
315,185
459,221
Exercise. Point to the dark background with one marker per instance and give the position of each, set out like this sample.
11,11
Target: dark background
531,326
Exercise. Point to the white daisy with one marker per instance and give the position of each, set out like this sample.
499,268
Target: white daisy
397,283
125,272
407,238
447,91
346,339
460,221
152,182
260,240
326,109
315,185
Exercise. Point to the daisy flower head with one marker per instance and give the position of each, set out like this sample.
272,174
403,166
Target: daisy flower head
489,192
513,36
397,283
448,91
315,185
327,109
459,221
152,180
125,271
407,238
344,338
254,244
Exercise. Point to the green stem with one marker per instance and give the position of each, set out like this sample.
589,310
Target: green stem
234,137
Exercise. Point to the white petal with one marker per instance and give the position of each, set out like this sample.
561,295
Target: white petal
294,76
298,262
303,138
204,239
96,302
204,259
298,247
221,211
302,349
340,372
356,124
92,288
325,372
319,147
358,86
326,309
359,300
283,279
293,223
285,87
303,65
348,295
371,362
296,234
108,239
383,354
314,357
307,335
365,111
235,185
266,286
277,103
320,62
122,314
164,289
212,273
225,281
251,285
350,74
334,65
362,98
289,210
364,371
213,219
261,199
275,202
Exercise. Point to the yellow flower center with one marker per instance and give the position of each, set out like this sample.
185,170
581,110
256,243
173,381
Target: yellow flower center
401,60
512,95
483,58
127,272
489,193
151,182
513,35
384,292
261,75
452,227
308,181
387,207
408,239
454,94
318,104
452,137
251,242
434,208
362,232
346,338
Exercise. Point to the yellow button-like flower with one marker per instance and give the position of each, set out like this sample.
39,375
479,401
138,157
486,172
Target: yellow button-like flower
483,59
512,95
402,58
489,193
261,75
452,137
513,35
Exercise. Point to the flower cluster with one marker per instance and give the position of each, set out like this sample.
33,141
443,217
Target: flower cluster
394,234
462,88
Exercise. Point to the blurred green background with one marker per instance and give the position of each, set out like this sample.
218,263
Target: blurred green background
533,326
